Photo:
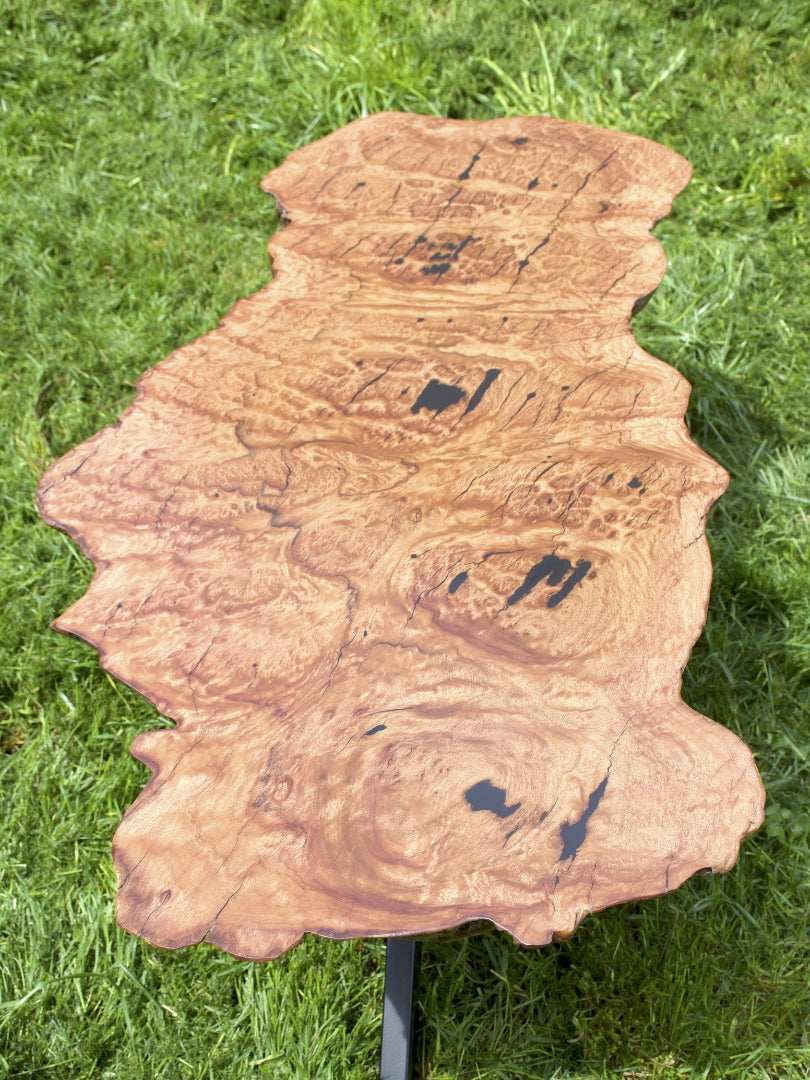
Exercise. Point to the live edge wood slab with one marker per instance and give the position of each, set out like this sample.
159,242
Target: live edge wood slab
411,550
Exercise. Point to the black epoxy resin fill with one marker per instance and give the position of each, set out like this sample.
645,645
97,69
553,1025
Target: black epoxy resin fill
485,796
481,389
457,581
438,397
554,569
573,833
466,174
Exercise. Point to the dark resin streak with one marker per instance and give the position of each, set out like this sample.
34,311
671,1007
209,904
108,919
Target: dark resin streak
466,174
482,388
436,268
438,397
440,261
485,796
573,833
577,576
457,581
549,567
554,570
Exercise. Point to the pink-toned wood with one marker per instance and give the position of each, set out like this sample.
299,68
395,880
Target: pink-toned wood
411,549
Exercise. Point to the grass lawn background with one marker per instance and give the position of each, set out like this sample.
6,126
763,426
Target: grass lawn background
132,139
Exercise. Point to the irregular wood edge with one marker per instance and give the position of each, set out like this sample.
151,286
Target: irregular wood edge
447,931
278,275
55,475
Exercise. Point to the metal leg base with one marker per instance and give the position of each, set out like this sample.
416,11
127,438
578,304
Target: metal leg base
401,960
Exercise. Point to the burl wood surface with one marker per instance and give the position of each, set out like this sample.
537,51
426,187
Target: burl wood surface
411,549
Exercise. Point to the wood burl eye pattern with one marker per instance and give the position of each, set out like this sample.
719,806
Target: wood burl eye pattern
411,550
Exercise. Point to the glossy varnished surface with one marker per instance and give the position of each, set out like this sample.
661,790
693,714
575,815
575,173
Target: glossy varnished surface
411,549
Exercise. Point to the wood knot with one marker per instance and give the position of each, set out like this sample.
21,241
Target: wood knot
281,792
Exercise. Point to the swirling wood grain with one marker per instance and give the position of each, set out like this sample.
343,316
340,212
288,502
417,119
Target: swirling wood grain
411,550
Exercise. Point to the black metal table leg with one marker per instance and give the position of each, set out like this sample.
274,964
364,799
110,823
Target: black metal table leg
401,959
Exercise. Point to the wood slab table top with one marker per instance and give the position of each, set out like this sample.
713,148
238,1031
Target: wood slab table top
411,549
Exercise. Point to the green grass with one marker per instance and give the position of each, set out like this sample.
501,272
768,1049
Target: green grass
132,140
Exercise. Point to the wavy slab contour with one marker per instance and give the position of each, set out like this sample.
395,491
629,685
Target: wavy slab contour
411,550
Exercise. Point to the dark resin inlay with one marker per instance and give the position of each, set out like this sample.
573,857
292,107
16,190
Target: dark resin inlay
438,397
573,833
485,796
